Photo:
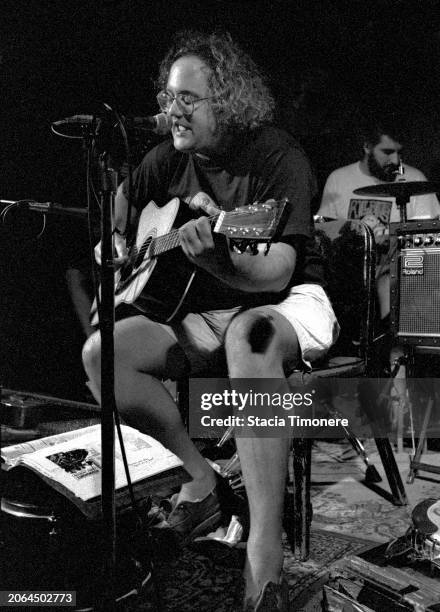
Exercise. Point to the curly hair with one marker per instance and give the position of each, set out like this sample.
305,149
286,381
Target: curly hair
241,100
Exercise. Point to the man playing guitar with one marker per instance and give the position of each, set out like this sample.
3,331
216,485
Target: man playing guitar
223,155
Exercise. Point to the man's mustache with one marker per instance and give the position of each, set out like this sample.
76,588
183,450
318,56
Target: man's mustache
391,169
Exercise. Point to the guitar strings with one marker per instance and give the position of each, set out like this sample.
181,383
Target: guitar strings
168,241
164,243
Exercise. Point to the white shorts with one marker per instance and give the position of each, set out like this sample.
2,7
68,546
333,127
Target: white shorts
307,308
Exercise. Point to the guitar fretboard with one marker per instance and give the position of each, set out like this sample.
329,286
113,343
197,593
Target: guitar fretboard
161,244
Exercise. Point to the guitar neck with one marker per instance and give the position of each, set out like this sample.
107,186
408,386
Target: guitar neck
167,242
246,225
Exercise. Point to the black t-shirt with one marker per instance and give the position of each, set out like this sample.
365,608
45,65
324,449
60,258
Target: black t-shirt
262,164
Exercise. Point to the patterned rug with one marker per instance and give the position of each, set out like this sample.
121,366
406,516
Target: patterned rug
344,504
183,581
194,582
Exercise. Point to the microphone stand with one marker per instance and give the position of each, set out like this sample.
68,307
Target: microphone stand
401,202
108,403
106,305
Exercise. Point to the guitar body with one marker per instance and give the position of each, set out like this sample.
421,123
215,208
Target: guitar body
167,277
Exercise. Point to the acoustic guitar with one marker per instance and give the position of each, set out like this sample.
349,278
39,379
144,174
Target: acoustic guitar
144,279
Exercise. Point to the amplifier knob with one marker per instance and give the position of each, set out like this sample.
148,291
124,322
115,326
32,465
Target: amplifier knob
429,240
418,240
437,240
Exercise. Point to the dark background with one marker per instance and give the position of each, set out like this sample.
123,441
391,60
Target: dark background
327,61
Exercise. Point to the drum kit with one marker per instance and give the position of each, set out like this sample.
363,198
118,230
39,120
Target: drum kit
402,191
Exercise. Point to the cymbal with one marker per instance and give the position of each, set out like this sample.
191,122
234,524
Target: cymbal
400,189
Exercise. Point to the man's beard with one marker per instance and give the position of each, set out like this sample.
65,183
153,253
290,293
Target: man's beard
386,174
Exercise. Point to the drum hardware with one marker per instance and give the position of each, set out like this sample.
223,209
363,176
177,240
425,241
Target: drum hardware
401,191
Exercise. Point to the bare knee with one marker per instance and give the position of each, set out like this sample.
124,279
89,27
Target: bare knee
251,331
260,342
250,345
91,354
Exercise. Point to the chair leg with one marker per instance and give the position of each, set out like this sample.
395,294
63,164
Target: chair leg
298,510
392,471
373,399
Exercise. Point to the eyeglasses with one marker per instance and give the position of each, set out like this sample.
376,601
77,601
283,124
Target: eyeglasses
185,102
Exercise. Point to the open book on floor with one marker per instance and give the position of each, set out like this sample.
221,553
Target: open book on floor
71,463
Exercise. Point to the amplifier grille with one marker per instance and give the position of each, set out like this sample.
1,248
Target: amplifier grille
419,293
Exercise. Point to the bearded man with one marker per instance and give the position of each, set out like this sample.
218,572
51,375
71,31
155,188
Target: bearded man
381,162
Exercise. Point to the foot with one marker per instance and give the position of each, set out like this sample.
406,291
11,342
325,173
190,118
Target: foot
273,597
263,566
192,519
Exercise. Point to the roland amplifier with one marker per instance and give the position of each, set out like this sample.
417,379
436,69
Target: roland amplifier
415,282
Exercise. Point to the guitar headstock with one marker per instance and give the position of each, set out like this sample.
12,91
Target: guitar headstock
255,223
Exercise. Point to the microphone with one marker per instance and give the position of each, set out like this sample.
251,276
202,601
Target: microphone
400,169
52,208
159,124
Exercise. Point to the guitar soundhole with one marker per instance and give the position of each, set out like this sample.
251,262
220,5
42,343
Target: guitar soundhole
136,258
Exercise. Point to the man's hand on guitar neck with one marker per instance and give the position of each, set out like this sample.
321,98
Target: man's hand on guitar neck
121,251
211,252
197,240
203,248
202,201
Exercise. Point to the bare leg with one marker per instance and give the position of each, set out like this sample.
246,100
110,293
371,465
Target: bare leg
263,460
144,353
81,301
